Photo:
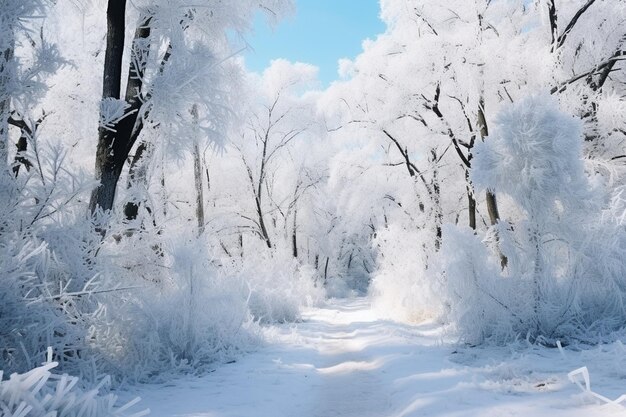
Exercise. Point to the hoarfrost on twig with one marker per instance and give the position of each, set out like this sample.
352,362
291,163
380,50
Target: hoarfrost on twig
112,111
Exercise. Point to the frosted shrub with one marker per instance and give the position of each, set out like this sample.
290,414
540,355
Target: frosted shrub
188,318
402,287
134,305
129,305
483,304
44,301
534,156
278,286
565,275
39,392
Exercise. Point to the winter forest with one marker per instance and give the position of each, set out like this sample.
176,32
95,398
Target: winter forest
439,232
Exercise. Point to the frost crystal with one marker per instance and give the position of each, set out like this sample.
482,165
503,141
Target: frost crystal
113,110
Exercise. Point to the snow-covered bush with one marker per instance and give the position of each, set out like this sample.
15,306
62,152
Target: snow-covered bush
131,304
565,276
39,392
402,286
136,304
278,286
45,284
175,311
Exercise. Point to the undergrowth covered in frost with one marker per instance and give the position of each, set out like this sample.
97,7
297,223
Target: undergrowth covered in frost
402,286
186,317
276,284
137,304
564,277
40,392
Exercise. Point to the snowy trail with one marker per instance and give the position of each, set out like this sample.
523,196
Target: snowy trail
348,381
343,361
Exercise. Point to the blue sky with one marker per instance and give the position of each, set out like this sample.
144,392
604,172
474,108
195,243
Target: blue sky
320,33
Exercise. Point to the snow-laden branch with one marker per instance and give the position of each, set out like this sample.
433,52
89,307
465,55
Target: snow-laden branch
112,111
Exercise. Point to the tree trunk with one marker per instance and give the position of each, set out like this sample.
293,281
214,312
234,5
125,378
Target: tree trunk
137,174
294,237
115,146
553,20
264,233
438,211
197,174
537,277
259,193
20,158
26,132
6,60
108,164
492,207
471,207
326,271
492,203
163,187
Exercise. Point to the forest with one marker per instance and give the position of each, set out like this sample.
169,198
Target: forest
165,212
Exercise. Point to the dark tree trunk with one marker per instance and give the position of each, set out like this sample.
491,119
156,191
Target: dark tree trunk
137,173
471,204
492,202
552,16
116,24
197,171
26,132
326,271
114,146
20,158
108,162
294,236
259,193
492,207
264,233
436,197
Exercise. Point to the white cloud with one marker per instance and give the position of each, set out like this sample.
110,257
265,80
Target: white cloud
285,75
346,68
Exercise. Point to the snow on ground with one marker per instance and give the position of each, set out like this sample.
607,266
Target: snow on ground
343,361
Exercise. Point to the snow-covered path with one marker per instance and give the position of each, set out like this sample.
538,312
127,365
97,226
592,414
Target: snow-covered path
343,361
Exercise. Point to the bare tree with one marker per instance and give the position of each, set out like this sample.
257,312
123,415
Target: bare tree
270,139
432,186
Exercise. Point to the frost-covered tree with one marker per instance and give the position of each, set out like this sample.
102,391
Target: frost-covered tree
275,120
585,49
473,58
177,60
534,156
26,58
127,304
